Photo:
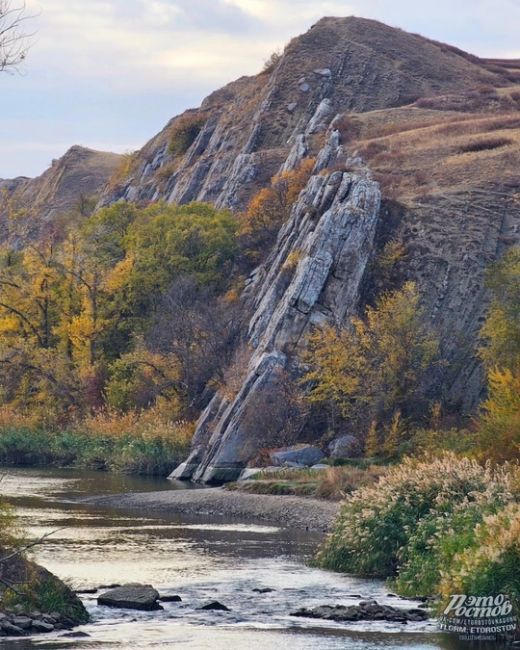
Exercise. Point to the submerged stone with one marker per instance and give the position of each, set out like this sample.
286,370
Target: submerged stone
131,596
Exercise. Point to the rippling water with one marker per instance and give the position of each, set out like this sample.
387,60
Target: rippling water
200,560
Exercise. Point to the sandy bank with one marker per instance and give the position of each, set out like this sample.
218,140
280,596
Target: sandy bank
289,511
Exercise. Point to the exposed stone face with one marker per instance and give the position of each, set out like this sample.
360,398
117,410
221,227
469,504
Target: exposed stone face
331,235
41,201
339,65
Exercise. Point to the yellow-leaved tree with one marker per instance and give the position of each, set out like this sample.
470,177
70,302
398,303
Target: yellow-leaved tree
499,423
374,369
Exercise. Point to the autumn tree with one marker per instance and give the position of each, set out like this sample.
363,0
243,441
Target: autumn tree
499,424
271,207
197,329
374,369
130,305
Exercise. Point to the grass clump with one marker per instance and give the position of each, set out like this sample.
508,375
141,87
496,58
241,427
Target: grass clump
43,592
138,443
486,144
424,525
330,483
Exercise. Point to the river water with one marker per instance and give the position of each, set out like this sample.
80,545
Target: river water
201,560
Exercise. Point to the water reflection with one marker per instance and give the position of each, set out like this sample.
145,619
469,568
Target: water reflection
199,559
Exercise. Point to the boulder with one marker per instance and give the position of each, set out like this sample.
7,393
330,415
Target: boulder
305,455
23,622
41,626
345,446
11,630
131,596
323,72
369,610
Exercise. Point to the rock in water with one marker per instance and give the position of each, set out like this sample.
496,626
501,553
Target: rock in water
41,626
369,610
215,605
170,599
10,629
131,596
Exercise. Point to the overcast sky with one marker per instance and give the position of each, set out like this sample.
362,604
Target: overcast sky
108,74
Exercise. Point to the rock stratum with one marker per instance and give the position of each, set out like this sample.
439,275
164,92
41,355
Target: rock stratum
413,141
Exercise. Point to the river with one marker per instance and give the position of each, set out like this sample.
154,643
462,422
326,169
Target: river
199,559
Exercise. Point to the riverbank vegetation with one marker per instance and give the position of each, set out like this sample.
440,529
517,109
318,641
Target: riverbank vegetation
448,522
331,483
27,590
437,526
133,442
111,330
116,329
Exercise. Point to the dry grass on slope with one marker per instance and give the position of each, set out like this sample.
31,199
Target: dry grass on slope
416,152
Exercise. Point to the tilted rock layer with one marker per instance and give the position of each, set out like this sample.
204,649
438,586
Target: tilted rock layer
414,141
452,223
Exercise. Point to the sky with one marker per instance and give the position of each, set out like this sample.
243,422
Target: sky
109,74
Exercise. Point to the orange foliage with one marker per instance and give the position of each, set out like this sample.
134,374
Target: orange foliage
271,207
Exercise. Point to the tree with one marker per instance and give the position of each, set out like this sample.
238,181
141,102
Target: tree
373,370
271,207
198,329
13,38
499,423
501,330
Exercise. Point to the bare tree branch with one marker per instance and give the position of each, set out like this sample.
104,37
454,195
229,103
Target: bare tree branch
35,542
14,38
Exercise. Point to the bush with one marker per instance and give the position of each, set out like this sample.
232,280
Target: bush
374,371
270,208
377,524
448,531
271,62
184,131
491,564
499,424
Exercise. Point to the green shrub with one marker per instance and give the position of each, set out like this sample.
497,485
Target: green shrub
377,523
491,565
439,537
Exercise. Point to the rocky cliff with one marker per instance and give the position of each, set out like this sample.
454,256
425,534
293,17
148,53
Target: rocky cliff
415,143
30,205
331,230
248,127
446,164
